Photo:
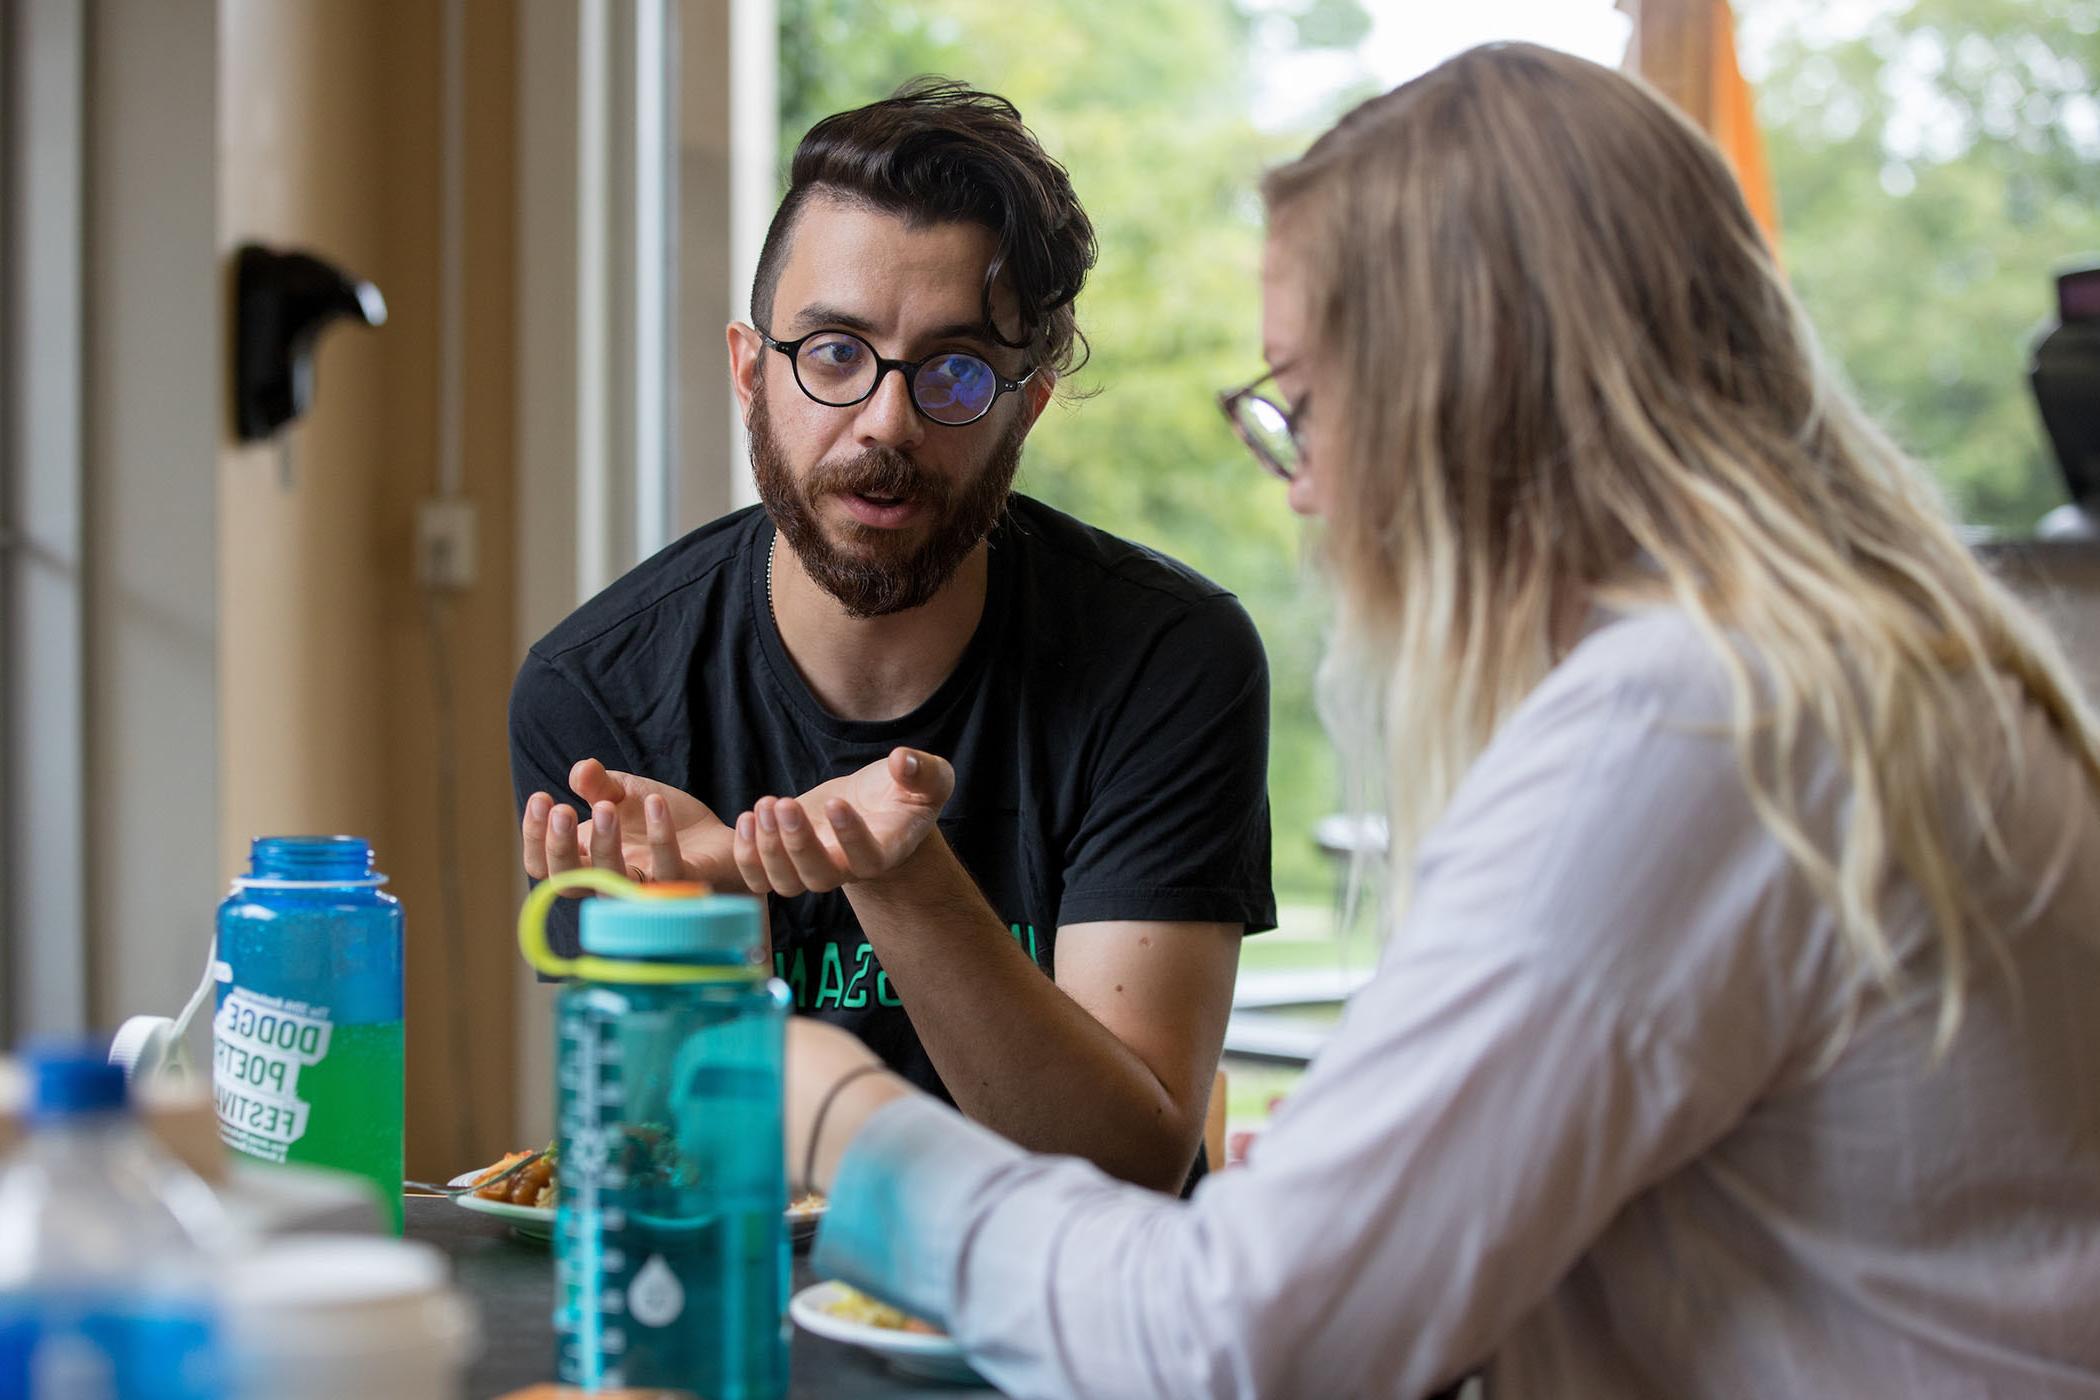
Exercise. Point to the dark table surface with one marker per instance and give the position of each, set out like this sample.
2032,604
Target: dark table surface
511,1282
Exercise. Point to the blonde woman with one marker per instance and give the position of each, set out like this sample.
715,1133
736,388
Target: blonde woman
1739,1030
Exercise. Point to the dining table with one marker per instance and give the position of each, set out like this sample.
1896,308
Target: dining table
510,1281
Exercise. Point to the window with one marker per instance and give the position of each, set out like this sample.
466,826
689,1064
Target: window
1936,161
1166,112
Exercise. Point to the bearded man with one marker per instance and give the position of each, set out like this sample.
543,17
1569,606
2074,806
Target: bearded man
1003,774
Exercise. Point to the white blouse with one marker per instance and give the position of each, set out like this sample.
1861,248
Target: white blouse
1583,1127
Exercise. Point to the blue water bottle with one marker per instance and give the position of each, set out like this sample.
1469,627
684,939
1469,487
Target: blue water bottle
671,1243
306,1045
105,1249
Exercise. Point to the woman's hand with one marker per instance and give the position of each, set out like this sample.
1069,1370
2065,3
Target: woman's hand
820,1059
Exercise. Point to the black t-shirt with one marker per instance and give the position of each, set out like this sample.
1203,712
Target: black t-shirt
1108,724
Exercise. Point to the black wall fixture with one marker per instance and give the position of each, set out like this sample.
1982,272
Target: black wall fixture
282,302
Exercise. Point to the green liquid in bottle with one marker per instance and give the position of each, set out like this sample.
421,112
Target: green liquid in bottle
357,1116
344,1109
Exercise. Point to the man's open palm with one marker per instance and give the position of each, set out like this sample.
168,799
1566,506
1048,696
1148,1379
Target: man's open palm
857,827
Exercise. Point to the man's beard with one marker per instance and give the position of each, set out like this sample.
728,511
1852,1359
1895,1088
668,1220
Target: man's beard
882,574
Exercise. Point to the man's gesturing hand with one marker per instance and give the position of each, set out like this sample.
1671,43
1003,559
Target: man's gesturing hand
858,827
638,827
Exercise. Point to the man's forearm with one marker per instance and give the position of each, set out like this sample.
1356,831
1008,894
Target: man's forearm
1017,1053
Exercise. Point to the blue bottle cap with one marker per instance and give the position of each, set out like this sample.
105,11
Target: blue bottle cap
65,1080
722,929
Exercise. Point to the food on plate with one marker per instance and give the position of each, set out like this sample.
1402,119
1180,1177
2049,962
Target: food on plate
855,1306
540,1183
533,1186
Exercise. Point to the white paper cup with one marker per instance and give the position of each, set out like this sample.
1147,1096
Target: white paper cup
339,1317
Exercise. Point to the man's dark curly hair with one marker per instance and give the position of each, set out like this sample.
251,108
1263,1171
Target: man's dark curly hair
941,152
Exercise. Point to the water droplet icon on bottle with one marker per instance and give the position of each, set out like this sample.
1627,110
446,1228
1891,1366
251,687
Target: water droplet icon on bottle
655,1298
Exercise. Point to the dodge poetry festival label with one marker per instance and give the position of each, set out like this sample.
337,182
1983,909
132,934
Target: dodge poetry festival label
259,1045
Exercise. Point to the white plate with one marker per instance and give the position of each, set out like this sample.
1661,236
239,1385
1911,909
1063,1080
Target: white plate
537,1222
926,1355
533,1222
803,1220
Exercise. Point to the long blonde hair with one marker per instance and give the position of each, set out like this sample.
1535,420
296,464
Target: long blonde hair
1573,370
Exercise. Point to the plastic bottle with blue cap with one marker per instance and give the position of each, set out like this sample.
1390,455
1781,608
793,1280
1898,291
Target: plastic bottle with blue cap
671,1243
106,1248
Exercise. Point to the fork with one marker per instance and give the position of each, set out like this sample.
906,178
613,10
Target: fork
454,1192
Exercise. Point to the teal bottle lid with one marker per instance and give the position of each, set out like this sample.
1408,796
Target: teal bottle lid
668,922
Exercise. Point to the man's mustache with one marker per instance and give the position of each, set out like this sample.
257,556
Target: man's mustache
878,471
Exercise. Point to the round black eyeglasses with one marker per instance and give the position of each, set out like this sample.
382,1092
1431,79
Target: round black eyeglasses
838,369
1269,430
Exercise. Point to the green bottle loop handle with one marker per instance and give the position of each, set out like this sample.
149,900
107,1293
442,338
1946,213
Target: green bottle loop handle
532,940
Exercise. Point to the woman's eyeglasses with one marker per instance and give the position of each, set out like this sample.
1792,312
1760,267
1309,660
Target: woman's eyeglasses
1269,430
838,369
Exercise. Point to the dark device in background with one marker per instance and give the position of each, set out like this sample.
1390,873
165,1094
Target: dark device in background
2066,378
281,303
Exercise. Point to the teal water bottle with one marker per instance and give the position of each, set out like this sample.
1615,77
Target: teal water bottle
671,1245
307,1040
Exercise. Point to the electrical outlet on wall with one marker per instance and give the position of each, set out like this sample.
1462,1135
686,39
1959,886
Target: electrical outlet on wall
445,530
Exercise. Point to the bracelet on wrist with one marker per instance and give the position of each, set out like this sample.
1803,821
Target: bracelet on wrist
816,1126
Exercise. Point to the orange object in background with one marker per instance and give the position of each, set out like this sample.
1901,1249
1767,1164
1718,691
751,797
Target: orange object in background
672,889
1685,49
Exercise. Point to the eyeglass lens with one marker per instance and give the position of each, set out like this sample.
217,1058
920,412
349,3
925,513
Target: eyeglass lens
839,369
1268,431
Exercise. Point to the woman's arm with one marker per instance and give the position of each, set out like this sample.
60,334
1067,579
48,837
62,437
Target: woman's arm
1596,977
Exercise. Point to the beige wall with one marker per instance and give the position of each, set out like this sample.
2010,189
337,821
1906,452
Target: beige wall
303,138
330,127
